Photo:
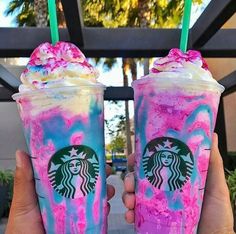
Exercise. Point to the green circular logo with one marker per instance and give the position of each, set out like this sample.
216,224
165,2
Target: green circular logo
73,171
168,163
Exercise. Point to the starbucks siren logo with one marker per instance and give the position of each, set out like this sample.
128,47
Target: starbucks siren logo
73,171
167,163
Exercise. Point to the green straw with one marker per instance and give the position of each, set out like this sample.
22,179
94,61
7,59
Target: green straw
185,25
53,21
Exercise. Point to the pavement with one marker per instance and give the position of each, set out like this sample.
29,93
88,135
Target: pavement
116,221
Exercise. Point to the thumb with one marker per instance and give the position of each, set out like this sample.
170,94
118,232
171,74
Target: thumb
216,183
24,196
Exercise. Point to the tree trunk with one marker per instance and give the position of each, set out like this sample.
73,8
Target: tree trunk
41,13
127,120
60,15
144,14
127,128
144,19
146,66
133,69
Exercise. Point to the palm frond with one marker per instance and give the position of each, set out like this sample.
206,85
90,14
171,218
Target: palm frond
24,12
109,63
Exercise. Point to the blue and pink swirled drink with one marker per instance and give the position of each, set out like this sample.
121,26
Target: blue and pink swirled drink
61,106
175,112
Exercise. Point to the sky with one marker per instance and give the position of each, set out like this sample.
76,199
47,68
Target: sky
112,77
5,21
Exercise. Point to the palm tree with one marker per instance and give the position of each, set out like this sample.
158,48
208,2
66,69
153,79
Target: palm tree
33,12
125,68
25,12
41,13
133,13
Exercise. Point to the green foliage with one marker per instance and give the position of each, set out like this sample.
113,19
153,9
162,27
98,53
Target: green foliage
231,181
112,13
123,13
6,177
119,156
107,63
108,156
116,125
117,144
25,15
24,10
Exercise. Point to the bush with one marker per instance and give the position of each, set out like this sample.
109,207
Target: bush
108,156
232,153
117,156
231,181
232,159
121,156
6,191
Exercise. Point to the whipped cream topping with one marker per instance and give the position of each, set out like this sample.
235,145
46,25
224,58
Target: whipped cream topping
57,66
189,65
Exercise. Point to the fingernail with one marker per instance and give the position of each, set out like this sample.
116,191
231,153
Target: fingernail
18,159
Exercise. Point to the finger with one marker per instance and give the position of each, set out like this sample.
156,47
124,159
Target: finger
129,216
110,191
24,196
129,200
131,160
216,183
129,183
108,170
215,154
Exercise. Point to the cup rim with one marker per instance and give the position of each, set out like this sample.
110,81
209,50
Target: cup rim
181,82
39,92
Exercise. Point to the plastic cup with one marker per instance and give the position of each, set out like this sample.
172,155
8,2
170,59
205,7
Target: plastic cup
174,122
64,132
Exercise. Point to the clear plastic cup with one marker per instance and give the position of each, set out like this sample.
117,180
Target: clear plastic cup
64,131
174,122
